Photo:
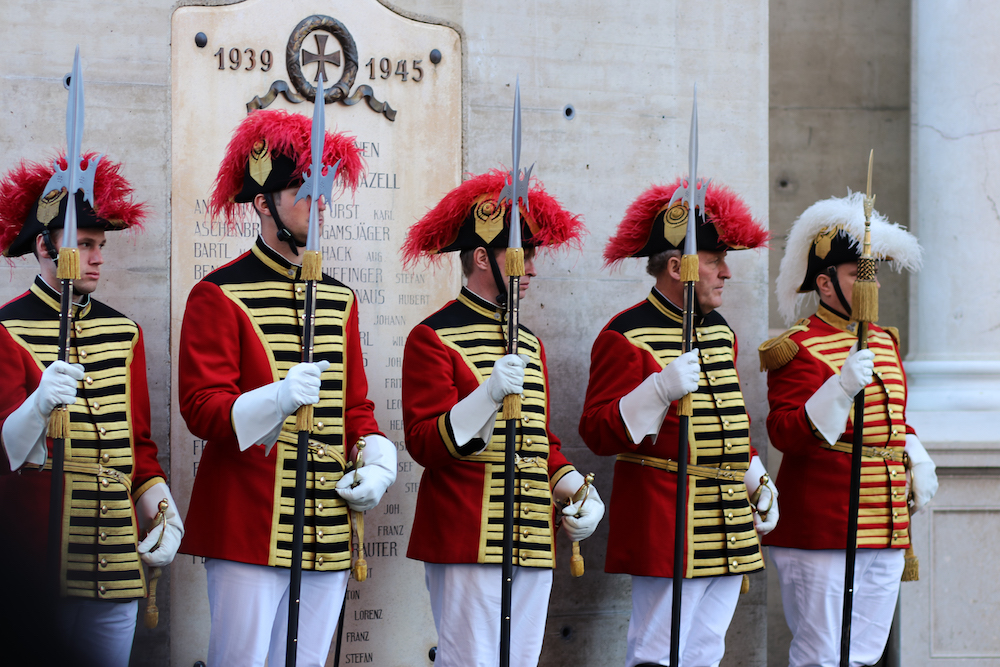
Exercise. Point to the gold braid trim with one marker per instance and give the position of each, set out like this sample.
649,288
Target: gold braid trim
778,351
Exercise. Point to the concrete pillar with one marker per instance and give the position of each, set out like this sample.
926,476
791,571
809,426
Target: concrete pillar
954,364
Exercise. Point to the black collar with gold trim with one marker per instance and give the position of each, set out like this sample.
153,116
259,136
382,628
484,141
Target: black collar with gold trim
51,298
473,301
836,319
270,258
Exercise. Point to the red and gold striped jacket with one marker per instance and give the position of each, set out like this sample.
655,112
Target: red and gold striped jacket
813,480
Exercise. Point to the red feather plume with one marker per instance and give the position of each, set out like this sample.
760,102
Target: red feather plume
731,215
24,184
439,226
286,134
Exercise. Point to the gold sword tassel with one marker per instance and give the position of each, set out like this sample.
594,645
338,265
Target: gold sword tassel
360,567
152,617
576,561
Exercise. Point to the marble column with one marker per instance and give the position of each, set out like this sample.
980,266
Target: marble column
954,364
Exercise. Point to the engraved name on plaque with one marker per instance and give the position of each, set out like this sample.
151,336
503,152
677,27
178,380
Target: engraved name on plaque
397,89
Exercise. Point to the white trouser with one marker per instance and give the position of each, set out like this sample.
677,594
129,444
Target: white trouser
812,592
98,630
249,609
707,607
465,600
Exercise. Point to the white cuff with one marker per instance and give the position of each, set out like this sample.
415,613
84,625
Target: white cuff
642,410
257,417
829,408
568,486
474,416
915,451
23,436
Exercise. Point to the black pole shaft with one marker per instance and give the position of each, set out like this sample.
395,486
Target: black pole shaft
299,515
852,515
508,487
680,518
56,484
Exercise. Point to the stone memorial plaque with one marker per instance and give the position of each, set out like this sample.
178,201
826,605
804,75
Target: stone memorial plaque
399,92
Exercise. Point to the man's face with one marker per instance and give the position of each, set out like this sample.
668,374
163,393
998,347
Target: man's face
713,272
529,269
90,247
295,214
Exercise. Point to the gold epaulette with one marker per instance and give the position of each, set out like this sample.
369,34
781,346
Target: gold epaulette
894,332
778,351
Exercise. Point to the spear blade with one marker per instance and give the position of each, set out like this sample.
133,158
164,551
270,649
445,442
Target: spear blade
316,184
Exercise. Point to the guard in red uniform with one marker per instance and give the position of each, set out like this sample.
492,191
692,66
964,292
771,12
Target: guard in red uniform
241,382
112,481
814,373
455,375
637,374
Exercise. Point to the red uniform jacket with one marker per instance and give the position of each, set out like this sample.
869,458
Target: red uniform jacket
720,535
459,515
109,428
815,482
242,331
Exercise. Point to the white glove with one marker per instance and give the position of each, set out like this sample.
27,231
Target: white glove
857,371
474,416
644,408
829,408
580,519
768,500
258,414
24,430
507,377
923,472
373,478
146,509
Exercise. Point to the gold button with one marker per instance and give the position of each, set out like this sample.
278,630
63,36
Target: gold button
79,329
319,424
894,536
725,423
733,539
104,562
105,458
320,560
298,290
525,511
104,482
525,532
89,380
322,480
729,445
526,486
319,506
319,533
730,492
103,431
727,468
320,452
291,273
104,509
95,406
101,588
892,473
526,419
734,564
730,515
83,354
895,515
894,431
527,441
878,373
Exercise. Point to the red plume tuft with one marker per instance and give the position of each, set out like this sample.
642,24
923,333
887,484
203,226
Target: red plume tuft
439,226
286,134
735,224
23,186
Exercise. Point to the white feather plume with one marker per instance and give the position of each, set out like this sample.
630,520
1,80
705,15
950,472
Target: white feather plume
889,240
